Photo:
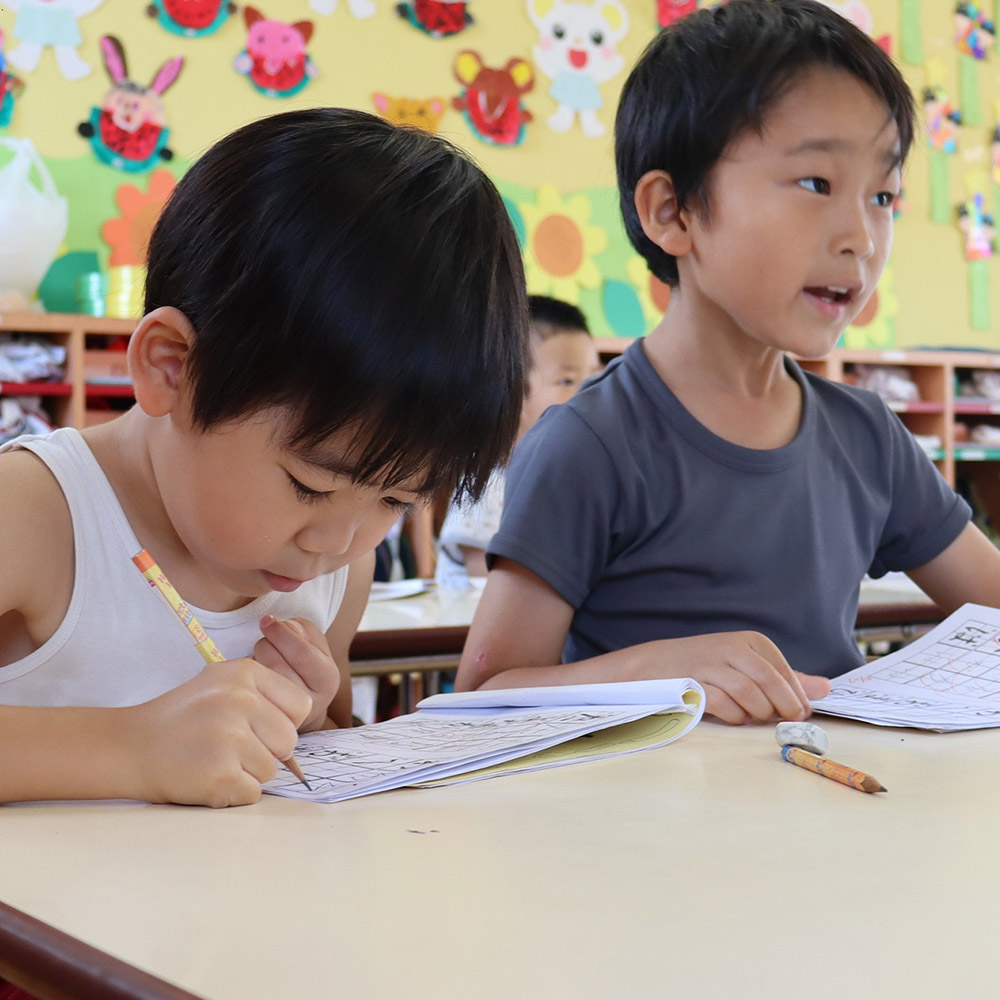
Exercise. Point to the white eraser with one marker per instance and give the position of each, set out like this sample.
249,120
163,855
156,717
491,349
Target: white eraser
806,735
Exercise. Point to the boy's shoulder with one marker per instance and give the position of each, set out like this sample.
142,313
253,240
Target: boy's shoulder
36,532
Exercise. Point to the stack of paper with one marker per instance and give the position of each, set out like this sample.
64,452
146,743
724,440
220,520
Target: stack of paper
947,679
458,734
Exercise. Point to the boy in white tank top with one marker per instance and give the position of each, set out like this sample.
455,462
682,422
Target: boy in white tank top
293,396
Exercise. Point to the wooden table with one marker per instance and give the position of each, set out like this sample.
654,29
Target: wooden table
706,869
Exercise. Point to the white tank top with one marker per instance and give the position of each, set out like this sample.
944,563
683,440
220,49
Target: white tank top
120,642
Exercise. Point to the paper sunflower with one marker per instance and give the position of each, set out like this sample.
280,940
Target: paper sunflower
559,245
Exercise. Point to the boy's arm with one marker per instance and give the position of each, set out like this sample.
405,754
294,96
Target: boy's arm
967,570
521,625
475,560
211,741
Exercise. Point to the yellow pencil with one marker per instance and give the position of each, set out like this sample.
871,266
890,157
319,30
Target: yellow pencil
831,769
202,641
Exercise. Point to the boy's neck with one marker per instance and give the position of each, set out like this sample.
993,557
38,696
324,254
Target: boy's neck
737,388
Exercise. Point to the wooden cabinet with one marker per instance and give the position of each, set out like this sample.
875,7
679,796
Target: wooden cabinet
946,408
90,390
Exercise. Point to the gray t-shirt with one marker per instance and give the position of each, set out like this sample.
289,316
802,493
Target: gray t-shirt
653,527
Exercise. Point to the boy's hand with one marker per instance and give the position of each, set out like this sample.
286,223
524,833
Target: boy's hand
296,649
215,739
746,678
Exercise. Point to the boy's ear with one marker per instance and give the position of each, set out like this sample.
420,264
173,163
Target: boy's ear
157,352
662,219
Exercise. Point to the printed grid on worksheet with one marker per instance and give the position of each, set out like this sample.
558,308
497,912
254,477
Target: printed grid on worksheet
380,752
966,663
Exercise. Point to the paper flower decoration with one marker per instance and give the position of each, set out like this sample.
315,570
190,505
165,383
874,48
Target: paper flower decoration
128,233
559,249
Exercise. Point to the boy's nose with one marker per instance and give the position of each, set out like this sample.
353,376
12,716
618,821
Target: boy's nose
328,536
856,234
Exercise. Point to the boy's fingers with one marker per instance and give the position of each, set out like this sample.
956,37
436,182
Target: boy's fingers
719,704
814,687
294,702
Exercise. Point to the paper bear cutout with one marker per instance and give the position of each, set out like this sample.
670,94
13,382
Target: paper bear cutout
491,100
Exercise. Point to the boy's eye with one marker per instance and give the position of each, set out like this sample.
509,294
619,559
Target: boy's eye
400,506
884,199
303,492
815,184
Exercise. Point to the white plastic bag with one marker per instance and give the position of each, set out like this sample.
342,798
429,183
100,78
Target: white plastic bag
33,218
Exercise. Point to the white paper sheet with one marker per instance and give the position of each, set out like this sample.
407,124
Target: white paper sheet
441,741
946,680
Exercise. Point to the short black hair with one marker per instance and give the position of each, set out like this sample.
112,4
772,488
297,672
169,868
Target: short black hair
712,74
360,275
551,316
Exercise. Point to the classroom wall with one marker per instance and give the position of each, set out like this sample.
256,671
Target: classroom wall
559,186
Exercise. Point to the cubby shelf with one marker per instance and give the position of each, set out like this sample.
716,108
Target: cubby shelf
66,401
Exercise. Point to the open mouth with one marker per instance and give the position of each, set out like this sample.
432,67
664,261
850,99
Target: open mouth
837,294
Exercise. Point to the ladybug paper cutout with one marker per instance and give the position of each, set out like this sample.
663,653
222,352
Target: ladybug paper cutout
129,130
191,18
275,59
439,18
491,100
668,11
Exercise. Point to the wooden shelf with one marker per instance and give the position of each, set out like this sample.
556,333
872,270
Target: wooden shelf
69,398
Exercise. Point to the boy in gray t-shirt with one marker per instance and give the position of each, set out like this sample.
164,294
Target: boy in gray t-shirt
705,508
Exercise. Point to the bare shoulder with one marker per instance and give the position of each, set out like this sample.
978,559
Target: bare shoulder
36,538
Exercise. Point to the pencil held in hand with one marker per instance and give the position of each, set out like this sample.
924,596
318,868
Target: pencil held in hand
203,642
831,769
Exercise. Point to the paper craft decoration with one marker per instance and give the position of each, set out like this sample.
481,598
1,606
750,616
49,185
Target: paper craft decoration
43,23
361,9
438,18
460,734
947,680
577,50
942,121
491,100
975,33
422,113
129,130
978,227
127,234
909,32
275,59
560,244
11,87
995,155
191,18
668,11
975,37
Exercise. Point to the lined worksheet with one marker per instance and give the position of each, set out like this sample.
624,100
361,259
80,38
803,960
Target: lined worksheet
457,733
946,680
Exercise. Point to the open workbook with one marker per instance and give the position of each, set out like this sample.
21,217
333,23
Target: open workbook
946,680
478,734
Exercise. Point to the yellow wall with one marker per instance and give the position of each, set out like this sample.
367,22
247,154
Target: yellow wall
924,299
